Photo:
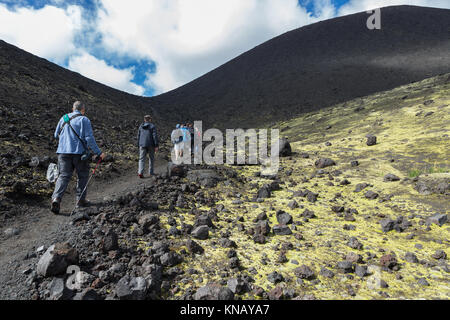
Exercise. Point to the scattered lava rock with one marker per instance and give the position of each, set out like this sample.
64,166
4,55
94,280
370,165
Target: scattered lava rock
371,140
283,218
326,273
304,272
439,254
214,291
131,288
361,271
282,230
201,232
439,219
324,162
110,241
285,148
238,285
389,261
354,243
345,266
264,192
194,247
411,257
275,277
371,195
390,178
56,260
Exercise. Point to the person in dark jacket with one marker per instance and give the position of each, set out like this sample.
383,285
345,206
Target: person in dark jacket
147,140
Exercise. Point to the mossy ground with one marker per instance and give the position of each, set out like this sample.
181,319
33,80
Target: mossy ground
407,140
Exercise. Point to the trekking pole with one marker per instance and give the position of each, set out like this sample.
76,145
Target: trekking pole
84,190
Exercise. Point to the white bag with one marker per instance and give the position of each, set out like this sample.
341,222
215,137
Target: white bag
52,172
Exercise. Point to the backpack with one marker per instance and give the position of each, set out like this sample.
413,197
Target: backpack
173,139
52,172
87,154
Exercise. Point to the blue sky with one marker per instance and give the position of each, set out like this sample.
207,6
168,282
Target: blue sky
147,47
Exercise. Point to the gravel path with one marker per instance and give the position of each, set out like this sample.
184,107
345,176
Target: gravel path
40,227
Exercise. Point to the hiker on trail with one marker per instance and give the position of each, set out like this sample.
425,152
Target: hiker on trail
76,144
199,135
177,140
186,137
147,141
191,131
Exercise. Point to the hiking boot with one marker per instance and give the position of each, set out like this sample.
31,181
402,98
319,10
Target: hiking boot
83,203
55,206
141,176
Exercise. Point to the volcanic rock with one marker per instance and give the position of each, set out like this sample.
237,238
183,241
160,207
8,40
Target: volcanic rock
439,219
324,162
439,254
203,220
389,261
264,192
326,273
170,259
238,285
390,177
345,266
262,227
411,257
304,272
201,232
275,277
194,247
387,224
285,149
214,291
110,241
371,195
361,271
354,243
371,140
56,260
131,288
207,178
283,218
361,186
282,230
58,290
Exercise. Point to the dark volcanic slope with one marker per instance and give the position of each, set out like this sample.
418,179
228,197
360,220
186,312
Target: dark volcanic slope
316,66
34,94
30,83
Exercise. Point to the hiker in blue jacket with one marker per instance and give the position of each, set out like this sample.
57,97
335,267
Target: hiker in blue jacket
186,139
76,138
147,140
177,140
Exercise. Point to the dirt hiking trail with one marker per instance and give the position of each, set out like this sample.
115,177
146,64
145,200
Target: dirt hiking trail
39,223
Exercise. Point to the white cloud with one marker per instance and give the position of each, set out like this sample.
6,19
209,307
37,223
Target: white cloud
47,32
187,38
98,70
354,6
184,38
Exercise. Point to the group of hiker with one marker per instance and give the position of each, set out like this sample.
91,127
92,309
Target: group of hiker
182,137
77,146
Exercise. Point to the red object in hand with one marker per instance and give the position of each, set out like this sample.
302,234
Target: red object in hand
98,162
